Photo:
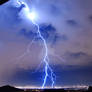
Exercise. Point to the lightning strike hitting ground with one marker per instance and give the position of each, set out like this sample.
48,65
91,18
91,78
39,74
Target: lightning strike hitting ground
47,69
45,59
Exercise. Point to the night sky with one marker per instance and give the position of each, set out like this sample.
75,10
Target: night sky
66,26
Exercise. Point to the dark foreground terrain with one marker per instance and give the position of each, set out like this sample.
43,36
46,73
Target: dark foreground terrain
12,89
3,1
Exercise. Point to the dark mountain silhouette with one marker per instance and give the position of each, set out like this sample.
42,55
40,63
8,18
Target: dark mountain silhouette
8,88
90,89
3,1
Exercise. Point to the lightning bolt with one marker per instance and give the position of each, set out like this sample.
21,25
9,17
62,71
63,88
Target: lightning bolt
48,71
45,59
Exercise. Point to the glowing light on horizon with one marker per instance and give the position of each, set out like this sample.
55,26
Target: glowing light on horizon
56,87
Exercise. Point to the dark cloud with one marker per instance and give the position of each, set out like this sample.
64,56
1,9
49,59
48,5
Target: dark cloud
47,31
16,9
72,22
58,37
78,58
90,18
78,54
27,34
47,28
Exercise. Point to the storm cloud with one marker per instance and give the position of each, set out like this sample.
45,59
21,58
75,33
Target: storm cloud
65,24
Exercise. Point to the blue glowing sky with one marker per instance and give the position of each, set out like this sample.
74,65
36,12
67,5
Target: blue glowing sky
67,27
